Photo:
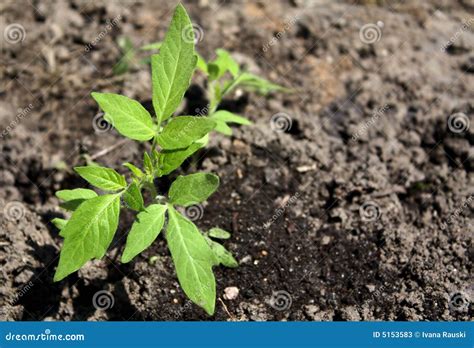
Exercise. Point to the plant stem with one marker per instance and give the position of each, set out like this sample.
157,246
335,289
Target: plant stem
213,102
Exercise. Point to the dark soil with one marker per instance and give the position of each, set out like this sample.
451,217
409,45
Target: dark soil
361,210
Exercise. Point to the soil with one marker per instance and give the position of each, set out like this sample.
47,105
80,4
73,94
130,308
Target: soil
361,210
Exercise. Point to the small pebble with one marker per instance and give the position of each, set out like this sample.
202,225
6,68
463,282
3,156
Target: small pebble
240,147
264,253
175,300
231,293
370,287
246,259
326,240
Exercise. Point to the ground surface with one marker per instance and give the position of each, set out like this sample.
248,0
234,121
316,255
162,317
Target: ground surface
361,210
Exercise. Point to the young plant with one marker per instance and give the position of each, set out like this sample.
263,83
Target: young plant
128,58
90,230
219,85
223,74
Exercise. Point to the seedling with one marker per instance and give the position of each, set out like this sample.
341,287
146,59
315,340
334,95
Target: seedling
95,218
217,72
128,56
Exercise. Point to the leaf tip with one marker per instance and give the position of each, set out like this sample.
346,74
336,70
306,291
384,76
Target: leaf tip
180,7
96,96
210,309
125,258
209,305
58,276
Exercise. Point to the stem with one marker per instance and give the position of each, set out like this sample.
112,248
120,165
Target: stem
231,86
214,101
153,144
150,184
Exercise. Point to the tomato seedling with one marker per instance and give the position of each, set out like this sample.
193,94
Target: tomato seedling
90,230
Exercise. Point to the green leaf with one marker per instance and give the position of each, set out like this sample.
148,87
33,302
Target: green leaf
144,231
173,67
128,116
223,63
222,255
147,163
182,131
193,259
192,189
104,178
223,128
155,155
79,193
229,117
59,223
215,95
203,141
122,66
169,160
213,71
135,170
201,64
73,198
219,233
133,197
223,117
88,233
255,83
152,47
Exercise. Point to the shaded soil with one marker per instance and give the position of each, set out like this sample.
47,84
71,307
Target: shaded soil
362,209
